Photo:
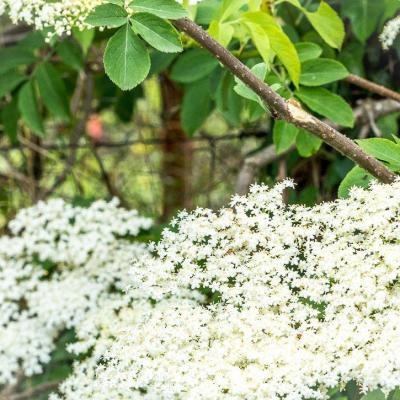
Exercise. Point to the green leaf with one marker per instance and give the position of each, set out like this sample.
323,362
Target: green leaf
196,106
327,104
261,41
382,149
280,43
320,71
356,177
364,16
32,41
260,71
307,144
168,9
14,57
221,32
71,54
52,91
126,59
9,118
284,135
84,38
160,61
229,8
207,10
9,81
193,65
157,32
326,22
307,51
228,102
394,395
110,15
28,106
374,395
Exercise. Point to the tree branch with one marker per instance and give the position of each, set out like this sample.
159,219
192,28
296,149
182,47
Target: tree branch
373,87
282,109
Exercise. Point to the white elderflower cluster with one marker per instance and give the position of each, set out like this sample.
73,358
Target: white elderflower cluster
60,265
59,16
390,32
295,300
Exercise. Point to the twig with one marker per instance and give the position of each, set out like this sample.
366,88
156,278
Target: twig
282,109
372,87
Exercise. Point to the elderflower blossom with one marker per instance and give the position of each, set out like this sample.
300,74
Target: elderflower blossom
390,32
59,16
295,300
58,267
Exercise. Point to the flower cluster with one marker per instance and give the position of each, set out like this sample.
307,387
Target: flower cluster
59,16
60,265
390,32
259,301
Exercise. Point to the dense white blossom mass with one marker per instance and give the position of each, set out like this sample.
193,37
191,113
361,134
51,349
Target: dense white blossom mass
59,16
60,265
295,300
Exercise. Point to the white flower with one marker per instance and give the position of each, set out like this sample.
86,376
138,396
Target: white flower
87,252
302,299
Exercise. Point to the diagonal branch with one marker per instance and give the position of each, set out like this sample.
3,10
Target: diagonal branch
281,109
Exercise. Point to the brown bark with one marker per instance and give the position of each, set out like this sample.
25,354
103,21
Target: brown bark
176,151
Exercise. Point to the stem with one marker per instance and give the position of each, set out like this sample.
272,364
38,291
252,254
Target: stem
280,109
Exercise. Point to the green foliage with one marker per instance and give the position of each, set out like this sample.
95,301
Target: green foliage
384,150
157,32
284,136
161,8
9,81
356,177
364,16
110,15
307,144
121,57
193,65
327,104
326,22
52,91
307,51
196,105
320,71
28,107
